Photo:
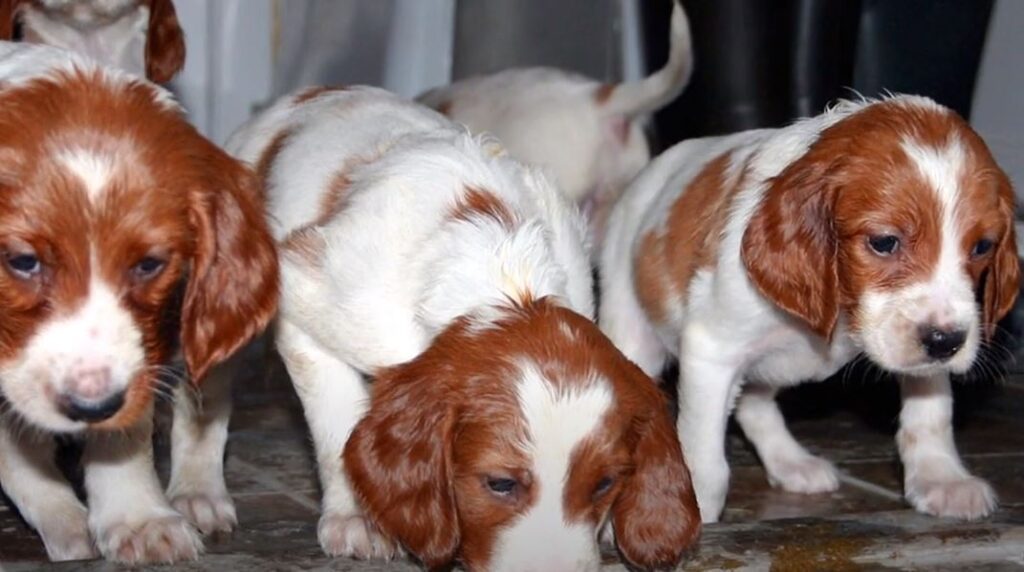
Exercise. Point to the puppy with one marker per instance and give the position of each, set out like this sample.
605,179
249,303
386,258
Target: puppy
142,37
122,231
588,135
506,430
766,258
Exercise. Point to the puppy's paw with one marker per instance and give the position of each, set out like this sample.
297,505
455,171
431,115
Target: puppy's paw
68,539
804,474
967,498
353,536
211,512
162,538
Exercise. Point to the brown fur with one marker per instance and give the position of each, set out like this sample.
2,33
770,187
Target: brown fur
477,202
667,261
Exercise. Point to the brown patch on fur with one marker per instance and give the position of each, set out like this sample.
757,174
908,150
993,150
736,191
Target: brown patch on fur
649,278
307,243
603,93
265,162
480,203
314,92
171,193
333,201
666,262
305,240
439,425
445,107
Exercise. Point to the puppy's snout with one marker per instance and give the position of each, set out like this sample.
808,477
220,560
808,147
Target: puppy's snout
88,395
77,408
942,343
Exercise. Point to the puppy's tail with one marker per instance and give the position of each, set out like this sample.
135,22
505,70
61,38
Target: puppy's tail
658,89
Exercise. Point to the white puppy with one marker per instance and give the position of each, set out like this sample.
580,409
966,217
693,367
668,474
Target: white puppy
588,135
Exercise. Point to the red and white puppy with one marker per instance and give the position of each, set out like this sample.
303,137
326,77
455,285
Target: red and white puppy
142,37
122,231
587,135
769,257
506,430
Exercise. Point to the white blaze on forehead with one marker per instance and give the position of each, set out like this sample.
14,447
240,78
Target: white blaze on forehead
92,168
557,421
943,168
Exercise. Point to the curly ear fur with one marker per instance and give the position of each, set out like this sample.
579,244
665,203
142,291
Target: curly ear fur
165,42
232,289
399,462
789,248
656,517
1003,281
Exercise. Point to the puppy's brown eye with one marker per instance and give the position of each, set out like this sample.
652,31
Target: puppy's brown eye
24,266
884,244
502,487
147,268
603,486
982,247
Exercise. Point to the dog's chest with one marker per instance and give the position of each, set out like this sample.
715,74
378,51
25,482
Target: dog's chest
787,357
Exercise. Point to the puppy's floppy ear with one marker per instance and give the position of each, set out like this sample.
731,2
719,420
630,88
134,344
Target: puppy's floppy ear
165,42
399,462
232,289
8,18
655,516
789,247
1003,281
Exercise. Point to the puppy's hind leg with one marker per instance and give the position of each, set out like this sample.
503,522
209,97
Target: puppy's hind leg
334,397
788,464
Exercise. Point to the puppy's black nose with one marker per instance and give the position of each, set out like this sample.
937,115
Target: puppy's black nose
942,344
79,409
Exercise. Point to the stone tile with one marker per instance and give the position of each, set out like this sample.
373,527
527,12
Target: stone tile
263,461
751,498
17,540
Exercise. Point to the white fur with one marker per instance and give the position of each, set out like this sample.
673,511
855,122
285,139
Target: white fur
552,119
726,333
66,353
110,32
543,537
24,63
93,169
398,268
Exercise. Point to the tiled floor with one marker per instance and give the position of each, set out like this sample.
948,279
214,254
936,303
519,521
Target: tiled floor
850,420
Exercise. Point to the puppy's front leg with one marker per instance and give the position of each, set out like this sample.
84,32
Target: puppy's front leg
128,513
788,464
198,438
32,481
935,479
334,398
706,392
